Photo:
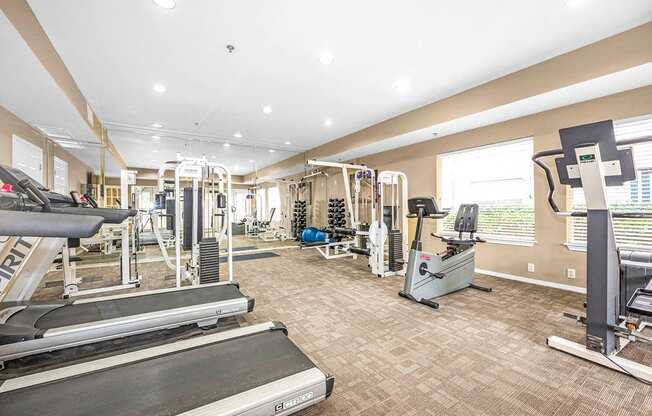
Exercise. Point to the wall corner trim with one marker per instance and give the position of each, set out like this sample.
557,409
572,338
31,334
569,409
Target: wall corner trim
538,282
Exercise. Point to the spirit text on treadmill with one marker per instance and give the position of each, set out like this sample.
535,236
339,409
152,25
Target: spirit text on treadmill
13,260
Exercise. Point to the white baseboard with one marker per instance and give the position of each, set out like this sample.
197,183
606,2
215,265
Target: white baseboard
529,280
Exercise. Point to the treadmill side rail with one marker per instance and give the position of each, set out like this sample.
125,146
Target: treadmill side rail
82,334
153,292
281,397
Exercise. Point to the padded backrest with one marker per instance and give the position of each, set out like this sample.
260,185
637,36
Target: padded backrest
467,218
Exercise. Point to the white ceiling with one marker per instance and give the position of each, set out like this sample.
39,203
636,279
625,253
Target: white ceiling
28,91
116,50
599,87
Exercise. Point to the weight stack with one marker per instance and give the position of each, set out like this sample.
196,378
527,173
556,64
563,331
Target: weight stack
395,240
187,217
336,213
298,219
209,261
363,240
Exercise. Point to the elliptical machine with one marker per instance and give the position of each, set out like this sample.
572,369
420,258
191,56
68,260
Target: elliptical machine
429,275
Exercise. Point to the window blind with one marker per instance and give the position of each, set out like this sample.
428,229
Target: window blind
631,196
499,179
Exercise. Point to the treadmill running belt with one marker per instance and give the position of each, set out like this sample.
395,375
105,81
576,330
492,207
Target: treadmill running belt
166,385
79,313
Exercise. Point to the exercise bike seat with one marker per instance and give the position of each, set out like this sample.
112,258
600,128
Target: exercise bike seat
459,241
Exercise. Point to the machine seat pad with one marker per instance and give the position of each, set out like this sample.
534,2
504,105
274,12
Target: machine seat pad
459,242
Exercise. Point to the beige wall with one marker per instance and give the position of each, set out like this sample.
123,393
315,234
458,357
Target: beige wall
10,125
550,256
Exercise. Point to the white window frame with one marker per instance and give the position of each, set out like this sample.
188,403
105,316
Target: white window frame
20,149
580,246
63,189
507,240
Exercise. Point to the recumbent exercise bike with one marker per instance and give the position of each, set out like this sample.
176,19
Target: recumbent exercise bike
429,275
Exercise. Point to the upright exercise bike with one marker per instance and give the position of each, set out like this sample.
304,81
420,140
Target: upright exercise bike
429,275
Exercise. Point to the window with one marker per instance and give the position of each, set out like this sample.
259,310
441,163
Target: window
60,176
28,158
499,179
631,196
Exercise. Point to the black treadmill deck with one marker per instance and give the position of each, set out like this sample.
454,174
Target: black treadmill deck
81,313
168,384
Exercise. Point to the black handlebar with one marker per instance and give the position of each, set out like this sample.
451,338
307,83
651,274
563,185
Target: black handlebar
549,178
90,200
35,194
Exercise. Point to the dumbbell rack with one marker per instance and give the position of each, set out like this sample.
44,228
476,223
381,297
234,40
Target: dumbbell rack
336,213
298,219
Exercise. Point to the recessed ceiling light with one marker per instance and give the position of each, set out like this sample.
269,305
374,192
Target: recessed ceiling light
156,137
227,145
213,157
326,58
574,3
403,85
267,109
154,150
237,135
287,143
328,122
251,161
159,88
165,4
236,167
157,125
271,150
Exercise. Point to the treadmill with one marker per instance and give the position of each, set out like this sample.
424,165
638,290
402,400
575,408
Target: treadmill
28,328
253,371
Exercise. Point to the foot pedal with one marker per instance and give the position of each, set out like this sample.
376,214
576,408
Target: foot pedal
209,261
641,302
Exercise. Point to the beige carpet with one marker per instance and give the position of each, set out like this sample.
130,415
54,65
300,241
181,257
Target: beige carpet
479,354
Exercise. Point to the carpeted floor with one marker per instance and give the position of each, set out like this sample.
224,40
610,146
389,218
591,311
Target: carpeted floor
479,354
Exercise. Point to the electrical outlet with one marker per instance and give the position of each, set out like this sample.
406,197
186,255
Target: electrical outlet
530,267
570,273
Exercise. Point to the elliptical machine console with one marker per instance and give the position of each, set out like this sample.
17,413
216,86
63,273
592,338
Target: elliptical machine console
430,275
